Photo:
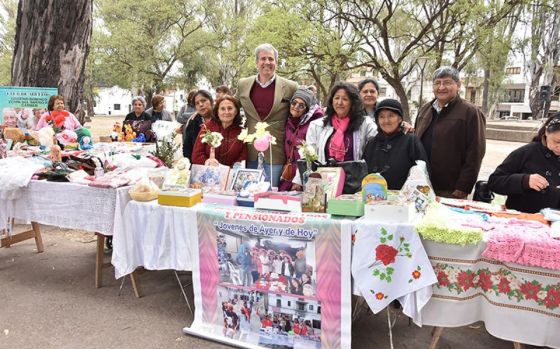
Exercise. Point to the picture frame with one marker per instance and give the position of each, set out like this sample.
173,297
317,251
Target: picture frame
209,178
243,176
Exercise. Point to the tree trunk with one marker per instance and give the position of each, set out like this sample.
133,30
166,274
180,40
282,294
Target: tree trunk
485,93
399,89
51,47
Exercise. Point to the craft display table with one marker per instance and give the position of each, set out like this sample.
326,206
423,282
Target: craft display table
65,205
517,303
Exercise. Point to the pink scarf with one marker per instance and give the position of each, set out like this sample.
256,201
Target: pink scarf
337,148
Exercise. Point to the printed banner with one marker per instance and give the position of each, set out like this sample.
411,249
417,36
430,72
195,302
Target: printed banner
19,102
272,280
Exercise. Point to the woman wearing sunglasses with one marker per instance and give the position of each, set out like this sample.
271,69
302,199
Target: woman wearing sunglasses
302,111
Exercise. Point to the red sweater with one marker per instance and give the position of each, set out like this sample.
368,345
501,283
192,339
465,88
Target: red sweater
263,98
231,150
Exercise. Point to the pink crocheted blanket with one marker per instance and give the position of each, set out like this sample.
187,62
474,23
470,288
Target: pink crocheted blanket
522,242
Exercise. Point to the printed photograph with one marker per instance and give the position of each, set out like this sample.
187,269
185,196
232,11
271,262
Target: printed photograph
281,265
243,178
270,320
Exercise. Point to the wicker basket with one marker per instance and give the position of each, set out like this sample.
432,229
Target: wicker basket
143,196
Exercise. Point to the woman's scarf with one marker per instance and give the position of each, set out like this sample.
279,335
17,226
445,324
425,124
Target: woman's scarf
337,149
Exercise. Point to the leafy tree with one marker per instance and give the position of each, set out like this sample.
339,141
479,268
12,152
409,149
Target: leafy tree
544,44
144,44
8,12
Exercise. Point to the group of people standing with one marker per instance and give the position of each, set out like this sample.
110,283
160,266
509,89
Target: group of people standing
448,134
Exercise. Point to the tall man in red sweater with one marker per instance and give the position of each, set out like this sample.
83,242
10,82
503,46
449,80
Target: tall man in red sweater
266,97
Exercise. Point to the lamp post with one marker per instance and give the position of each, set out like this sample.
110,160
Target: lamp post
421,61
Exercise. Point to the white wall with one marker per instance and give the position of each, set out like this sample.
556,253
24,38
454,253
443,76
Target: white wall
110,99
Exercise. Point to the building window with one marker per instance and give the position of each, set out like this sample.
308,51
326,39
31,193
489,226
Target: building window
310,307
319,310
289,303
382,91
514,96
556,95
363,73
117,106
301,306
473,96
279,303
513,70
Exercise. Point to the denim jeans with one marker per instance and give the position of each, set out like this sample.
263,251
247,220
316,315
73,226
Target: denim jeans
276,171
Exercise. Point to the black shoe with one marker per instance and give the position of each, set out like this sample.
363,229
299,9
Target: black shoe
108,245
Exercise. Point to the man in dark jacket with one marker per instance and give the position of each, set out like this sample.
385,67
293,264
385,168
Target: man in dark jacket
453,132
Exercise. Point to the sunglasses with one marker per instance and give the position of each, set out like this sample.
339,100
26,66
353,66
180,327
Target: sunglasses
298,105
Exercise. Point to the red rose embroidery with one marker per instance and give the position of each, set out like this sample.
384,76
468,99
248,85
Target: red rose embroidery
530,290
503,286
386,254
484,281
552,299
465,280
416,274
442,279
379,296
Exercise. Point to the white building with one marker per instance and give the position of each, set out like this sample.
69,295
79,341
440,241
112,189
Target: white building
112,101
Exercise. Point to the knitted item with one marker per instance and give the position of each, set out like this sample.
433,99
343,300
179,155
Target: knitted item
522,242
444,225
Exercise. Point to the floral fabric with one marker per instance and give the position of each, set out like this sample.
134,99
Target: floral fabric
388,263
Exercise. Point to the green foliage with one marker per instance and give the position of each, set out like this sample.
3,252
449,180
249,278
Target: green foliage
8,12
148,44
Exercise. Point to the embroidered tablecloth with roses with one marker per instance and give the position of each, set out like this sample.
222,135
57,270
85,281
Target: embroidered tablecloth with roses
388,263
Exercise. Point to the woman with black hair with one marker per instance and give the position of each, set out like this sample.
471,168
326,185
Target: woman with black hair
530,175
203,103
345,130
225,120
369,92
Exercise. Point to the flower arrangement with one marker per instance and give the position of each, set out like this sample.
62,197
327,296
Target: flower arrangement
56,120
307,151
261,138
213,139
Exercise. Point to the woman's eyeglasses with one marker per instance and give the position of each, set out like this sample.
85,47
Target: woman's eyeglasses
298,105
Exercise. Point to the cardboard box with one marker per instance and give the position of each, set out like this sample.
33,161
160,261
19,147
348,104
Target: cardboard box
187,198
390,211
346,205
278,201
220,199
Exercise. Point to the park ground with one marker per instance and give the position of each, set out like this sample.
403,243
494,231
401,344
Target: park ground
49,299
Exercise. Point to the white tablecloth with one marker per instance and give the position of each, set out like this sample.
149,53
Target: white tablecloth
67,205
155,237
516,303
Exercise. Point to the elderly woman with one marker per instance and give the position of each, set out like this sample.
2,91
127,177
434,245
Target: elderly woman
138,110
157,111
369,91
225,120
344,131
203,103
302,112
530,175
392,152
10,117
56,104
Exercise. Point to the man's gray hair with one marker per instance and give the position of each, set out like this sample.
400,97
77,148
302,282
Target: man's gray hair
139,98
446,71
266,47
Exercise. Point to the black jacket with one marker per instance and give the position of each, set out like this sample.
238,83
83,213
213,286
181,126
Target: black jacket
393,156
511,178
190,132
